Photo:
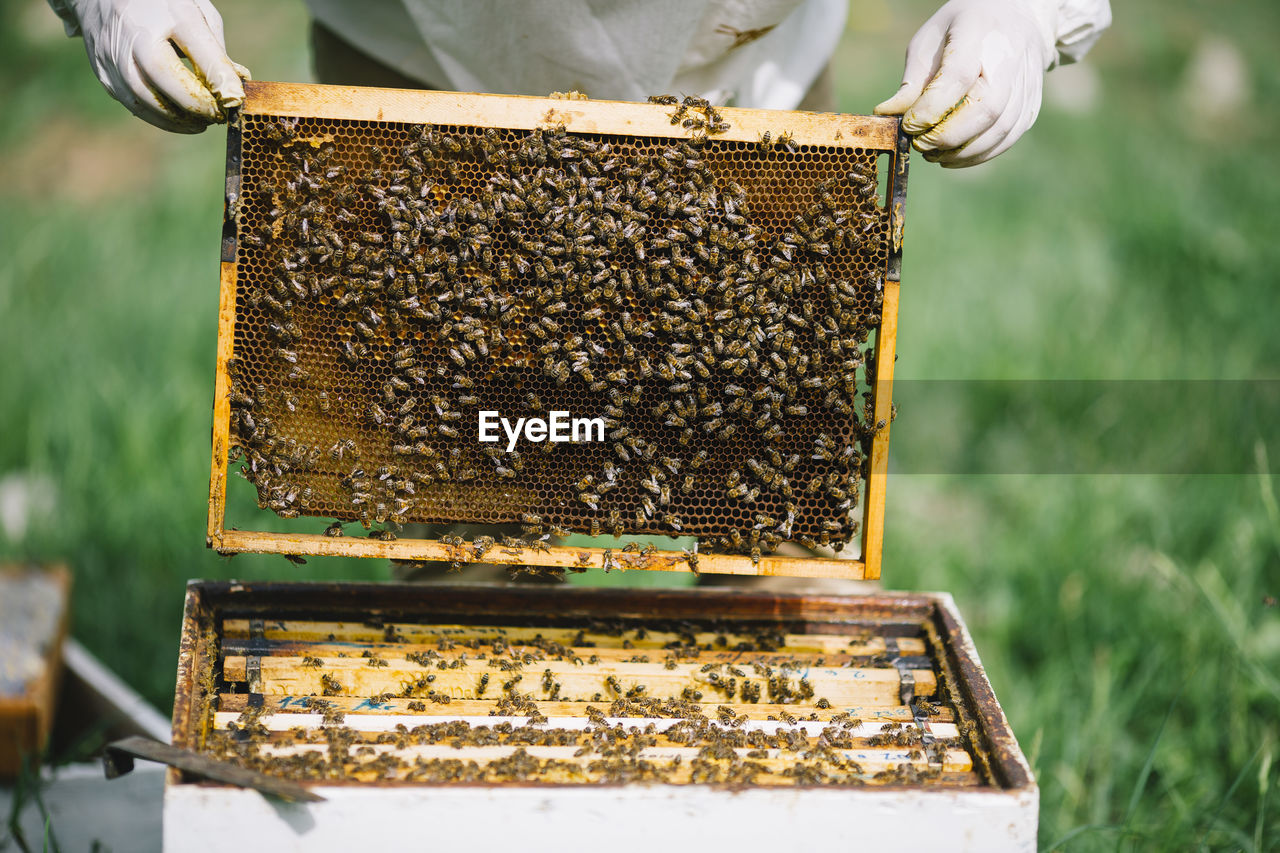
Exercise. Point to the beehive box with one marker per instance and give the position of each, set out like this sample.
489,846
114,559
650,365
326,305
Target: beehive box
683,719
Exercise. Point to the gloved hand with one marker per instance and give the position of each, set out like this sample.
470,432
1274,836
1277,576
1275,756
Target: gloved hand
975,72
133,46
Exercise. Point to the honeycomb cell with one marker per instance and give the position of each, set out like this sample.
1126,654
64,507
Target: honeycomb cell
711,302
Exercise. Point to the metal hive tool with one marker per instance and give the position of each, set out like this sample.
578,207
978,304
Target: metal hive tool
353,393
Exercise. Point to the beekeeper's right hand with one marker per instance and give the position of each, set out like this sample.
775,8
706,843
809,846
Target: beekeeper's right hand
136,49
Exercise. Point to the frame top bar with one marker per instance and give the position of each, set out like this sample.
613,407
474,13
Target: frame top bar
527,113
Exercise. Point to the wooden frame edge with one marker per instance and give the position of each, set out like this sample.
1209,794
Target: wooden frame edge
358,103
886,355
222,407
878,465
561,556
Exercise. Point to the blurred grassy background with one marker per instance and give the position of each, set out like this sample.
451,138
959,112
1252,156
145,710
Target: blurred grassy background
1131,234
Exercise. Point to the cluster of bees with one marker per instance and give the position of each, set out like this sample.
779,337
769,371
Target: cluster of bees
604,752
403,291
809,747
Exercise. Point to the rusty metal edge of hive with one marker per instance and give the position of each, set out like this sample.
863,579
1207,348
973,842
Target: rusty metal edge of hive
1004,765
391,601
358,103
963,670
186,706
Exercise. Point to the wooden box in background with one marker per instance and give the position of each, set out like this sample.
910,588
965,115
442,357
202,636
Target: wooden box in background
33,623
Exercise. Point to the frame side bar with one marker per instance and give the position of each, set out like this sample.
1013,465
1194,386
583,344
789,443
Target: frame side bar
897,204
231,197
878,463
886,354
221,445
221,433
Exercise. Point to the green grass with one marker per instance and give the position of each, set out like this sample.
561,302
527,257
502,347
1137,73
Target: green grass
1121,618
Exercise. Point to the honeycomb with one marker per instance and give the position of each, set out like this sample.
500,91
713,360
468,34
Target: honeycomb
710,300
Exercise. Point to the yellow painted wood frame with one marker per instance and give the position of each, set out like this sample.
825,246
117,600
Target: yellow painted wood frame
583,116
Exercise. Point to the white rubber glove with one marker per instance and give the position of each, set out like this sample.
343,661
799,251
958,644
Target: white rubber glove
975,72
134,47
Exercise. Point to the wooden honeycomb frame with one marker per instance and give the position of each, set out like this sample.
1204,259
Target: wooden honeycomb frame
879,134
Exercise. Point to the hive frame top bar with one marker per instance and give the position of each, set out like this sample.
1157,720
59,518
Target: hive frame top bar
528,113
871,133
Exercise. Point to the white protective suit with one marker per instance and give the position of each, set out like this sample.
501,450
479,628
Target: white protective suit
621,51
753,53
972,83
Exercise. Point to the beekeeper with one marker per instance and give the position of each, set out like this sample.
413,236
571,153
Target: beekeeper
972,84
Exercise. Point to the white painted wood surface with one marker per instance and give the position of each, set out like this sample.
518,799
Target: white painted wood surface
643,819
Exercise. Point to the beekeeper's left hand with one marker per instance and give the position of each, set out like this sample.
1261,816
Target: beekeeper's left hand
975,72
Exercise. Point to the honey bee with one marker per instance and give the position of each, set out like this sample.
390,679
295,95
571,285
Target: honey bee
437,265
